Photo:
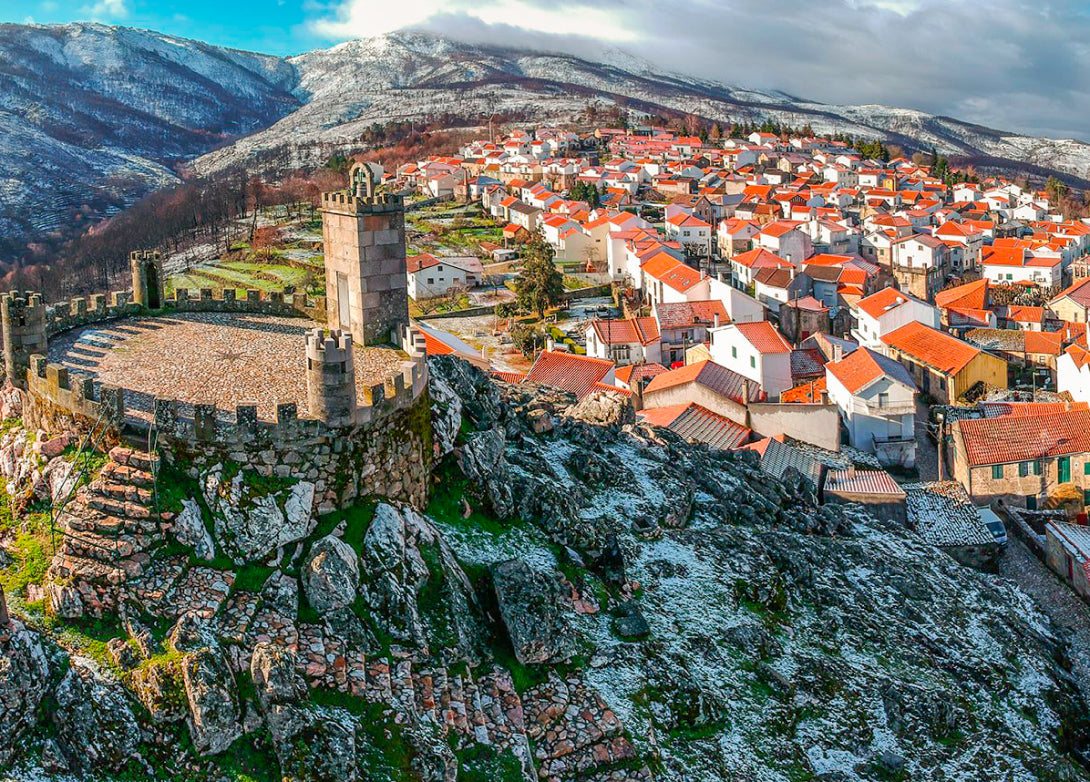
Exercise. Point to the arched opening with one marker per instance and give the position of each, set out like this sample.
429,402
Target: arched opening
151,274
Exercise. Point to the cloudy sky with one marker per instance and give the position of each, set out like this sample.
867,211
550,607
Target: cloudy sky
1013,64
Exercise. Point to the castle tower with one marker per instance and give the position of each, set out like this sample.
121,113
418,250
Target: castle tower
364,236
147,278
331,377
23,318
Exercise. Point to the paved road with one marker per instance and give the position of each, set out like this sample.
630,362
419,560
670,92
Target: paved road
1069,614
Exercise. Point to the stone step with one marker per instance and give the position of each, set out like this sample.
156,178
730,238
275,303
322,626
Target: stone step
120,473
132,458
83,519
454,703
424,688
123,492
378,682
72,568
112,507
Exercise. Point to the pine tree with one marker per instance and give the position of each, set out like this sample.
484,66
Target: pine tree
540,284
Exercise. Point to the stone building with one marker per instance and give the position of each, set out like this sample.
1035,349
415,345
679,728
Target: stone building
365,267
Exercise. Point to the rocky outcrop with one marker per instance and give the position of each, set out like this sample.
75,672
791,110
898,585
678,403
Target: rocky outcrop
312,744
24,680
95,725
252,523
189,530
415,588
530,605
331,575
212,697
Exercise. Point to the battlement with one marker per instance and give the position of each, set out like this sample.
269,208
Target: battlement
145,255
284,302
346,201
77,397
27,303
329,347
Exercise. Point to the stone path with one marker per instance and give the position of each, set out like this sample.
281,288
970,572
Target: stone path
218,358
1069,613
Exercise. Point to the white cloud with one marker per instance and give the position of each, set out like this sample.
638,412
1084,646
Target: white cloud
107,9
355,18
1013,64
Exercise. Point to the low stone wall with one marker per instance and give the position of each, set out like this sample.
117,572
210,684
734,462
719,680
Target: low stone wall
390,456
57,403
74,313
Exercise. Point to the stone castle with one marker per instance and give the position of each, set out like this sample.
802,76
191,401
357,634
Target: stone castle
348,414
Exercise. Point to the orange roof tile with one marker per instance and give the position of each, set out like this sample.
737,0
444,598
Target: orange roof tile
1020,438
932,347
568,372
764,337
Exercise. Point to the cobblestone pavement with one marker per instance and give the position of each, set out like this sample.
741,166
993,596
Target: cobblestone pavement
220,358
1069,614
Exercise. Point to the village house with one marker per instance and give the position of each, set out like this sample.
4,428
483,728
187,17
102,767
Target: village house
920,264
967,306
886,311
942,366
694,234
1067,552
577,374
684,324
1024,460
429,276
876,397
1072,303
756,351
710,385
803,317
629,341
698,424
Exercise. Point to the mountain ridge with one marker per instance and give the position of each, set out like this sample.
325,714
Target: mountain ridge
97,116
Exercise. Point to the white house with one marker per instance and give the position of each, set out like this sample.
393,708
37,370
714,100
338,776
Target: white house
1073,373
694,234
628,341
429,276
756,351
877,400
787,239
886,311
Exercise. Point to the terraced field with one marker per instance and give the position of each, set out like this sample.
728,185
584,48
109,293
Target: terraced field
246,275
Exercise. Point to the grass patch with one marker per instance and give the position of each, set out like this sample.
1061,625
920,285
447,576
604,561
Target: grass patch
446,504
385,754
250,578
481,763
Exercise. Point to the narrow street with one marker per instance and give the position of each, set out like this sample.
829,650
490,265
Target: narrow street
1069,614
927,457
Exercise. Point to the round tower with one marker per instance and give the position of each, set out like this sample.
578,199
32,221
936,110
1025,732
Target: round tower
331,377
23,317
147,278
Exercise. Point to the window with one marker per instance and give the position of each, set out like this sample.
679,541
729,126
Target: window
1086,497
1031,503
1036,466
1086,468
1023,469
1064,469
997,472
734,352
753,361
883,399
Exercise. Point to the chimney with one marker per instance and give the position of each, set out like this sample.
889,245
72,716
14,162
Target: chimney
549,343
715,319
851,471
838,352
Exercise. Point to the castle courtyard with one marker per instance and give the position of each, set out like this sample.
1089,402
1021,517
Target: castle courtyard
219,358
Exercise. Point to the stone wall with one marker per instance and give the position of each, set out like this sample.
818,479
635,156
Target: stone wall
390,457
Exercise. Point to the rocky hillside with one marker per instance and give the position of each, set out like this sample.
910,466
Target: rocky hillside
584,600
92,116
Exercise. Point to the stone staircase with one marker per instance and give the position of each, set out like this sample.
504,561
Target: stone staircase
107,529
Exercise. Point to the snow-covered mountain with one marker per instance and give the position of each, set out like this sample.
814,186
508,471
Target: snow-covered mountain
93,115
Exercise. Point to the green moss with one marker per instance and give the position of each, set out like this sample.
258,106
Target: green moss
250,578
383,753
481,763
446,504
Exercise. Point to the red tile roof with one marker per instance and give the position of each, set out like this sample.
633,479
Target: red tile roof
764,337
885,300
863,366
863,482
713,376
568,372
697,423
685,314
1078,292
635,372
934,348
627,332
806,393
1020,438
